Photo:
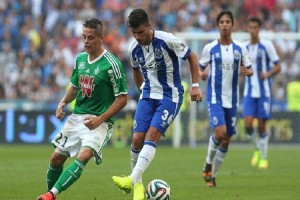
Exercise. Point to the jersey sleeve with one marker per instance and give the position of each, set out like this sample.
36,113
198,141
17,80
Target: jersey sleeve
245,58
133,59
205,57
74,77
271,51
117,78
178,46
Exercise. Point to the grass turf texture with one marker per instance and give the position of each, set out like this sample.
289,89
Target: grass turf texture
23,169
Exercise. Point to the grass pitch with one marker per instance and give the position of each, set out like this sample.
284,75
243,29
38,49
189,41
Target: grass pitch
23,169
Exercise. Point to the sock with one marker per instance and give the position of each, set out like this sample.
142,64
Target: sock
212,148
252,137
144,159
52,175
69,176
219,159
134,154
263,145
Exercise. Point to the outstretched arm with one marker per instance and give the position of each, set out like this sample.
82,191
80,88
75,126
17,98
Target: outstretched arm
195,90
69,97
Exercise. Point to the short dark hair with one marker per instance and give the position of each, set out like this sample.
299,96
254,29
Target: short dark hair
137,17
225,12
256,20
94,23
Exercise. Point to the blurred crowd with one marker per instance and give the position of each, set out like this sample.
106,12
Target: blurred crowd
39,39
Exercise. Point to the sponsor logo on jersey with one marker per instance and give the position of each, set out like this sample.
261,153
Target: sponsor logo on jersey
87,71
87,85
113,80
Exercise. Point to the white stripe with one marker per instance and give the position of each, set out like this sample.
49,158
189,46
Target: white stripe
114,65
213,76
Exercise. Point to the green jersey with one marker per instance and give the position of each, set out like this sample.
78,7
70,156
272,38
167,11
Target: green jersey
98,82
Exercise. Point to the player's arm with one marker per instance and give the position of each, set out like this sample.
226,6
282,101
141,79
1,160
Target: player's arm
245,69
138,77
68,97
271,51
195,90
119,103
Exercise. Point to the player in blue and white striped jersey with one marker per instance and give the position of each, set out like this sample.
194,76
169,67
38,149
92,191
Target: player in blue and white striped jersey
258,92
154,56
227,59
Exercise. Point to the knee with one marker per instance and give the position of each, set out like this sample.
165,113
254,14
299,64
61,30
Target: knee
57,161
138,140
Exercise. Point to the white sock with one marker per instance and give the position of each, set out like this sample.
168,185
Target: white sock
134,154
253,139
144,159
54,191
219,159
263,145
212,148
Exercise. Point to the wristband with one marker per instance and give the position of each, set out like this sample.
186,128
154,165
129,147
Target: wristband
195,84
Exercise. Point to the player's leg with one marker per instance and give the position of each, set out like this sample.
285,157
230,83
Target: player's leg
264,114
55,168
223,133
263,144
217,122
142,121
54,171
250,110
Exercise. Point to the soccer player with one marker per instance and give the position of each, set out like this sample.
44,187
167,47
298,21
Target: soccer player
154,57
99,85
257,91
227,59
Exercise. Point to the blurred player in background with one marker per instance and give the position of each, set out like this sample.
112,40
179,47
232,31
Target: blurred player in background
257,91
98,84
227,59
154,57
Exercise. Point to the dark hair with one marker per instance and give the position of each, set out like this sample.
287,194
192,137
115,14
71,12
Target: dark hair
256,20
137,17
225,12
94,23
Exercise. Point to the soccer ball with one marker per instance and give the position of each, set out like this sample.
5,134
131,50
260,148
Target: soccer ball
158,189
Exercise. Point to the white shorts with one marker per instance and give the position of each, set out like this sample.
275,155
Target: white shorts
75,135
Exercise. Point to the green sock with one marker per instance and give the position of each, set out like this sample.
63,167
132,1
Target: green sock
69,175
53,175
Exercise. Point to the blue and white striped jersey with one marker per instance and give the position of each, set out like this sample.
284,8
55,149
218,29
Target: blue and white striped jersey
159,63
263,57
225,62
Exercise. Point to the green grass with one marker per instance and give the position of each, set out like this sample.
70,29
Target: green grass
23,169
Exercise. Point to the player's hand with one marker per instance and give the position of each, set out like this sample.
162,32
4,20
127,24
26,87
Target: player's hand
92,122
263,76
244,71
60,111
203,74
196,94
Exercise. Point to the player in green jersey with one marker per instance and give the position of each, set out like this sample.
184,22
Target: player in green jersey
98,84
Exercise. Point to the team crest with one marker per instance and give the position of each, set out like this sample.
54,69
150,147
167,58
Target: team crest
236,54
81,65
215,120
157,53
96,71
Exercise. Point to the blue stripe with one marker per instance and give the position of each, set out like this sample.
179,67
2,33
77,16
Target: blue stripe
223,150
135,150
215,141
148,142
235,76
